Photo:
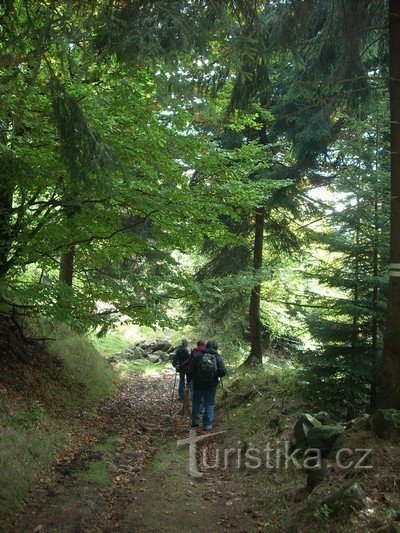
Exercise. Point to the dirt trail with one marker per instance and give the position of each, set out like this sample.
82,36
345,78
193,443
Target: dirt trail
128,474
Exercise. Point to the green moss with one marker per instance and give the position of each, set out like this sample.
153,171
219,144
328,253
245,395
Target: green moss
96,474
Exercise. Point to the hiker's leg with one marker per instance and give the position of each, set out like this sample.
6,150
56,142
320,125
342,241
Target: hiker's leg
190,385
202,406
197,396
209,403
181,388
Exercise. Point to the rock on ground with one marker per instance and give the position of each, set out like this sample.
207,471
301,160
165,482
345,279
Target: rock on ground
386,424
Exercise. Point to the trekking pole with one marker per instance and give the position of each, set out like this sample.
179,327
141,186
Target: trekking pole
173,392
226,407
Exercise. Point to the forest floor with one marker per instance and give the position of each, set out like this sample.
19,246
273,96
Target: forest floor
126,472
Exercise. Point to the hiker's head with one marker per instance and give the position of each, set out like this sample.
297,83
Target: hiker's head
212,344
185,341
201,343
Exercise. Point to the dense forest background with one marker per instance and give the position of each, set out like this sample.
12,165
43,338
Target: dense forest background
219,164
207,169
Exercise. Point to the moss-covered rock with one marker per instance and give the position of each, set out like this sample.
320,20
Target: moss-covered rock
395,514
324,418
323,437
301,429
346,500
362,423
386,424
340,443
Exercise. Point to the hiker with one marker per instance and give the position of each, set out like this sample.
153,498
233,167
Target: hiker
200,347
205,371
181,362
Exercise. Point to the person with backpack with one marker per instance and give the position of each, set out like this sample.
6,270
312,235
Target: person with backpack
181,364
206,370
200,346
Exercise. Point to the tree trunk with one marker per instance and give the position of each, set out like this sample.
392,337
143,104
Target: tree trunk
389,393
375,292
67,267
67,259
6,202
6,199
351,411
255,357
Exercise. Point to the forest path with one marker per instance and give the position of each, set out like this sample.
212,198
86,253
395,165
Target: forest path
126,473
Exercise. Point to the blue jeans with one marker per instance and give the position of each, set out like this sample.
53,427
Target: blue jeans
182,382
190,385
208,397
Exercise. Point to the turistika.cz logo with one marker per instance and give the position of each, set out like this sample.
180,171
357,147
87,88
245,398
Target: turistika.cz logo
250,457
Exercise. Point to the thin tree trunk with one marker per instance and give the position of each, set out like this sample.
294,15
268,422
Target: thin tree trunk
66,272
374,346
389,393
356,294
351,411
6,199
255,357
375,291
6,202
67,267
374,325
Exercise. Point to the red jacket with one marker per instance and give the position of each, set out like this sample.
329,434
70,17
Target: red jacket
199,348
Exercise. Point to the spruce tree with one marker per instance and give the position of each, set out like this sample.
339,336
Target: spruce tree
342,373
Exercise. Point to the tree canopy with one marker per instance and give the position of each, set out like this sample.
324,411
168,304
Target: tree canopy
223,164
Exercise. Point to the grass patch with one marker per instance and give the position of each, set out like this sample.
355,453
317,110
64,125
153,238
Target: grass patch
141,366
26,445
96,474
110,344
86,368
38,403
169,465
125,335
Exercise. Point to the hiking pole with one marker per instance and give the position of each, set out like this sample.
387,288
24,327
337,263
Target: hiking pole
226,407
173,392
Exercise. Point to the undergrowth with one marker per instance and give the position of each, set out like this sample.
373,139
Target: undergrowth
255,395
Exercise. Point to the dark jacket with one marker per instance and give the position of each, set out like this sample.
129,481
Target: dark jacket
181,355
196,350
192,375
